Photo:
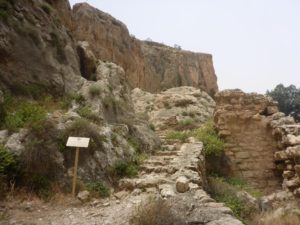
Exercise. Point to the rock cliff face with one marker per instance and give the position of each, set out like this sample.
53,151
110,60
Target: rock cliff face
150,66
36,52
167,67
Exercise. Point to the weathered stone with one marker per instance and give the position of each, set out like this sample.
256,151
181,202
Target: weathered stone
292,140
148,139
288,174
182,184
166,190
225,221
121,194
297,169
293,183
173,107
83,196
297,192
3,136
248,199
48,49
281,155
293,151
111,41
15,142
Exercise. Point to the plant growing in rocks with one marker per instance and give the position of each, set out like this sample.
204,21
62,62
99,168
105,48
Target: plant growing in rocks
155,212
213,144
225,190
95,90
9,169
178,135
20,113
98,188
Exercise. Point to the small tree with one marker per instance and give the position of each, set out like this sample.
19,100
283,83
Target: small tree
288,99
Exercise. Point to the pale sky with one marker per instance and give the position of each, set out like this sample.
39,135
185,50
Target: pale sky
255,43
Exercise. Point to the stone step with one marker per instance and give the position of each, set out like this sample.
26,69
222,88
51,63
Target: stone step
158,169
166,153
147,181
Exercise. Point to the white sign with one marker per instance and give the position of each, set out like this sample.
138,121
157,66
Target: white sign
78,142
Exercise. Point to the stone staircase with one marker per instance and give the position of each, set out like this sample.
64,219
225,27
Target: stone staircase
175,173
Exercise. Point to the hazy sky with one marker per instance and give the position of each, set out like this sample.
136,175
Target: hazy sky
255,43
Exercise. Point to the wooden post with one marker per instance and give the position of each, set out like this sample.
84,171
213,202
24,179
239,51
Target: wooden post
75,172
78,142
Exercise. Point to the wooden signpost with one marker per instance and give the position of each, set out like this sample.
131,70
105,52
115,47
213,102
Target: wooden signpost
78,142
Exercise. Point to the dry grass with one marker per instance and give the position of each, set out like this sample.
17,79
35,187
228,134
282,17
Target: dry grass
155,212
277,218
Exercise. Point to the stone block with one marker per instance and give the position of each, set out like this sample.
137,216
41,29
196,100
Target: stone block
182,184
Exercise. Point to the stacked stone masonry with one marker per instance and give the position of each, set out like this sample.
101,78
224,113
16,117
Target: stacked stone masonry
262,144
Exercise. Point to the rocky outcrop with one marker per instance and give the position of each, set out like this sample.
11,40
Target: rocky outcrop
167,67
181,107
104,112
243,121
109,39
37,54
150,66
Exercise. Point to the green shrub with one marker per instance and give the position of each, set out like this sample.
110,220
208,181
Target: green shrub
135,143
95,90
177,135
241,184
67,99
184,113
26,114
40,185
125,169
99,189
151,126
213,144
86,112
9,165
223,191
186,124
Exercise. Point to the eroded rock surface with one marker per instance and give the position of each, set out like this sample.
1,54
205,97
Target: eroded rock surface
174,106
37,53
150,66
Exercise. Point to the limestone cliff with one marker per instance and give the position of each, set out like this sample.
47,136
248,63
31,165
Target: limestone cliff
37,54
150,66
167,67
